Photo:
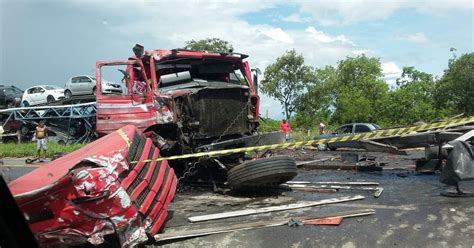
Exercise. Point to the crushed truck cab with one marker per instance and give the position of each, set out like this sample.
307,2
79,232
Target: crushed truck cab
189,98
189,101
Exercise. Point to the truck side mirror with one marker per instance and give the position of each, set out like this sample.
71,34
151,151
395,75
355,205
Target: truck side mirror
255,78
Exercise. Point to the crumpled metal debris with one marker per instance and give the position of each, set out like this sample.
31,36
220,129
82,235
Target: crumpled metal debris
96,192
295,222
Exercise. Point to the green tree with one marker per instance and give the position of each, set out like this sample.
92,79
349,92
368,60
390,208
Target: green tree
359,93
286,79
210,45
412,100
455,89
314,106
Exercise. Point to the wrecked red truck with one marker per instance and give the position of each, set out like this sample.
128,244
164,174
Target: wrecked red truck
176,102
190,102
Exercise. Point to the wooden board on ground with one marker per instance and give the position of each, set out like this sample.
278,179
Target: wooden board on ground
377,190
272,209
336,183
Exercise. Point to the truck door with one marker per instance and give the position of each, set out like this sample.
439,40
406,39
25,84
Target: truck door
131,107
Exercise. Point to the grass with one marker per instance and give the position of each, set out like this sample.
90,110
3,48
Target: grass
29,149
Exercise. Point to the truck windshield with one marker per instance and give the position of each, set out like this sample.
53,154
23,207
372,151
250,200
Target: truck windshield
187,70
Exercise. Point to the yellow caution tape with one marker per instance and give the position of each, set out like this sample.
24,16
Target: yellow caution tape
124,136
361,136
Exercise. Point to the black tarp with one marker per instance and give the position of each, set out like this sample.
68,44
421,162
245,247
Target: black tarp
460,164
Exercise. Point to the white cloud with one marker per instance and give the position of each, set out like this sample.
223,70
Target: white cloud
295,18
339,12
391,72
415,38
345,12
278,35
361,51
322,37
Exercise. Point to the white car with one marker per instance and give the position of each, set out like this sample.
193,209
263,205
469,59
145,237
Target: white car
86,85
41,94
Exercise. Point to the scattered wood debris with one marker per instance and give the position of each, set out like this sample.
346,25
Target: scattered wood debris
258,224
317,188
360,183
273,209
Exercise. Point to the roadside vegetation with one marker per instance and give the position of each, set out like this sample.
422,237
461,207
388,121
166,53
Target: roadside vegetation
29,149
354,91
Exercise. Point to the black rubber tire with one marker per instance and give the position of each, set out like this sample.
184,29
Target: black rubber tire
94,91
67,94
50,99
25,104
24,130
266,171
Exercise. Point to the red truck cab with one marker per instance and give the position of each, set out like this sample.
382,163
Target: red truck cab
191,98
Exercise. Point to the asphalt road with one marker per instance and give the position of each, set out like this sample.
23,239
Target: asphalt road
409,213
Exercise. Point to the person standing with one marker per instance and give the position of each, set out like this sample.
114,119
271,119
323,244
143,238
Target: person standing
41,134
322,128
285,128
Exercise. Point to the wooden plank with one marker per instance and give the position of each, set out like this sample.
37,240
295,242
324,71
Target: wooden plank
320,190
272,209
335,221
377,190
253,225
336,183
313,161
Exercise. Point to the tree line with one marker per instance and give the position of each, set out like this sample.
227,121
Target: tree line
354,89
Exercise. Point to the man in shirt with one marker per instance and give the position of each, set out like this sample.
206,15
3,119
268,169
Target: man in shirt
41,134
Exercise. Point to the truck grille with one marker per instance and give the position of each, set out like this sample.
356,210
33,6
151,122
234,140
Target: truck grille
218,109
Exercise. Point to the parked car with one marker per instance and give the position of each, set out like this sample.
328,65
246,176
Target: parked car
86,85
10,96
41,94
347,129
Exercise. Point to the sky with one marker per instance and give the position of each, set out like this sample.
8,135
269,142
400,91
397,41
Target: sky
47,42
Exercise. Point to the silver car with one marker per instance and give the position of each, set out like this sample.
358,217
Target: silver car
86,85
347,129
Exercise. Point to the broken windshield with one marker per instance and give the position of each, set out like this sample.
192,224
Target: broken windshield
212,70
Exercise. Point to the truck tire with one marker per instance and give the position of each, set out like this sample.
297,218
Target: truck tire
266,171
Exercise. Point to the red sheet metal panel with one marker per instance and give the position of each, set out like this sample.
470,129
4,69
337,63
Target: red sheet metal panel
95,192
